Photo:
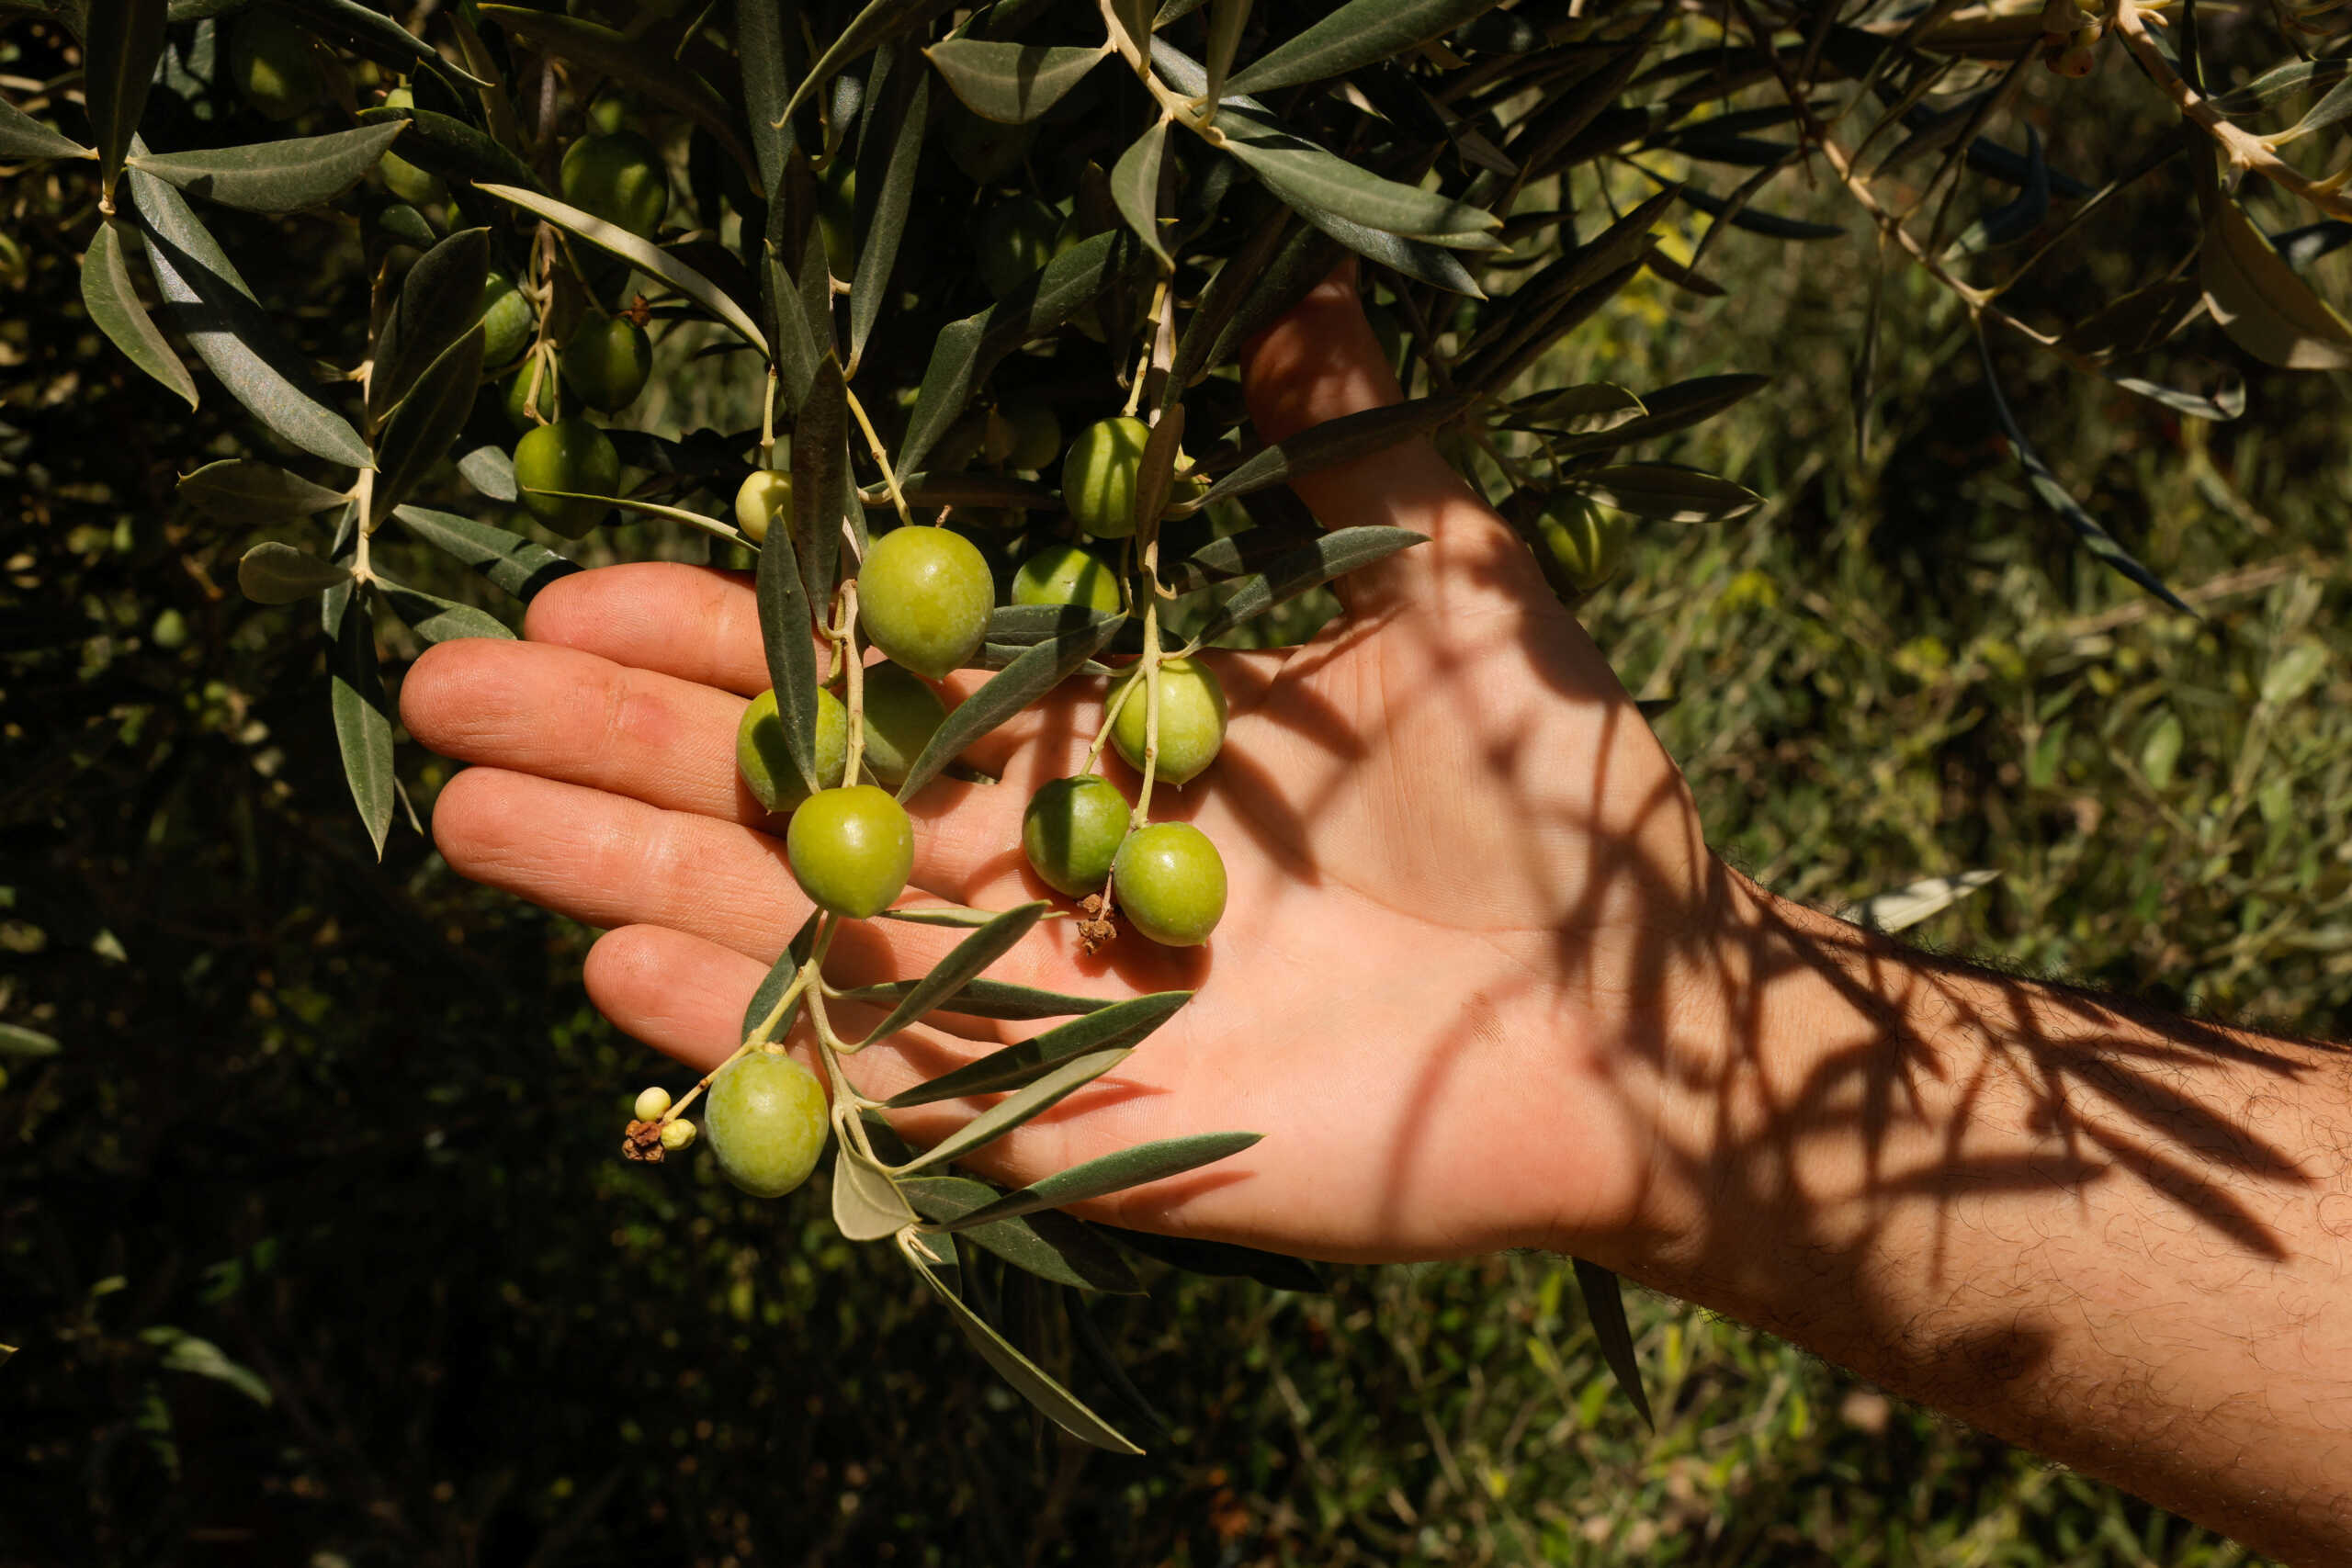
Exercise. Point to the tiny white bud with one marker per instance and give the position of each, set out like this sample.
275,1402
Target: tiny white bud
651,1103
678,1134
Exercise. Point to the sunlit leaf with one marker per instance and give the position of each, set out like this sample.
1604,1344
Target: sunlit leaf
878,253
1667,492
1134,186
1904,907
777,981
517,565
1050,1245
1133,1167
1314,180
1033,1101
274,176
878,23
989,999
1011,82
435,619
1359,33
867,1205
276,573
1319,561
1030,676
2258,299
112,299
1111,1026
641,253
968,958
491,470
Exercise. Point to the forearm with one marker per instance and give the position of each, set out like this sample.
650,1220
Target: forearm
2120,1239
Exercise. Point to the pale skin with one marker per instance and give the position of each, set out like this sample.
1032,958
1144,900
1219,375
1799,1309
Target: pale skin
1482,985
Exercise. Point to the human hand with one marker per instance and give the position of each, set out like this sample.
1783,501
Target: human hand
1467,941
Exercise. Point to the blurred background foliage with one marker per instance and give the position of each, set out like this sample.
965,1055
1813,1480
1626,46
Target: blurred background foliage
315,1245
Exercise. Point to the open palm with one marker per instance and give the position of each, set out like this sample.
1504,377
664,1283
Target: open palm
1468,891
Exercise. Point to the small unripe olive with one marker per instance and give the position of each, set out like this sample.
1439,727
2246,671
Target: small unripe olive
1024,434
1065,574
924,595
1099,477
418,187
505,320
619,177
1578,545
852,849
610,112
518,401
1016,237
765,763
766,1116
651,1103
902,713
1169,881
837,216
1192,720
273,64
1072,831
763,500
569,455
606,362
677,1135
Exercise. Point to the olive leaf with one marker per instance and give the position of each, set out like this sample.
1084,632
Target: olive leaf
1029,676
22,136
1011,83
867,1205
974,954
1050,1245
246,492
491,470
31,1045
2257,299
624,57
379,36
1772,224
1134,186
1133,1167
989,999
1361,33
1314,180
513,563
1109,1026
878,23
761,44
641,253
1582,410
953,916
1037,1097
1057,1403
796,347
439,301
363,718
894,184
1668,409
1319,561
1416,259
821,472
1664,492
787,635
1223,1260
275,177
423,428
116,309
121,41
276,573
435,619
229,330
1604,1305
1337,440
448,146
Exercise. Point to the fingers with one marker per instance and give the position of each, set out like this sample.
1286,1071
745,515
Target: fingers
687,621
1321,362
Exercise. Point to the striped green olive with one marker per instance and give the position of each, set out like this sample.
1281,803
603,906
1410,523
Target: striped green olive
1192,720
1065,575
1099,477
1072,830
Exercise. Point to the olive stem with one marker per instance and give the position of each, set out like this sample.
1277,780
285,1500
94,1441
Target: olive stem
1102,736
845,636
881,458
846,1100
767,422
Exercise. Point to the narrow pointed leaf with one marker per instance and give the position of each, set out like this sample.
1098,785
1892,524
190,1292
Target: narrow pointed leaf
969,957
275,177
953,916
435,619
1670,409
641,253
22,136
867,1205
363,719
517,565
446,145
121,41
778,981
230,332
1319,561
651,71
1583,409
276,573
379,36
1337,440
760,51
1901,907
878,253
1220,1259
1134,186
1313,179
819,469
1033,1101
1050,1245
990,998
422,431
1011,82
247,493
2257,299
788,633
1361,33
1153,1161
2095,539
1668,493
439,301
491,470
115,307
1605,1303
796,347
1057,1403
878,23
1112,1026
1030,676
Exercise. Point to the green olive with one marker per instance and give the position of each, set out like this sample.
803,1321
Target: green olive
418,187
925,596
765,763
1063,574
1578,545
1099,477
610,114
619,177
852,849
607,363
505,320
1072,830
766,1117
1169,880
1192,720
902,713
837,216
569,455
273,64
1016,237
518,397
1024,434
761,501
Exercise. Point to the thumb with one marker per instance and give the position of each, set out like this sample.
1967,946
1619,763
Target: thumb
1321,361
